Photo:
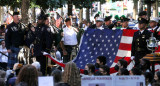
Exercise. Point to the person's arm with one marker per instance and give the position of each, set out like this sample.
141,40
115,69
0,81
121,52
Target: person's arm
133,48
8,38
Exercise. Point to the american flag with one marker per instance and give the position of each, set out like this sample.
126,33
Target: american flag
114,44
58,20
96,43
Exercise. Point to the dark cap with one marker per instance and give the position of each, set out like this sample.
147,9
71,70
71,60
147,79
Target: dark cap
142,20
124,19
46,16
142,13
67,19
41,17
107,18
97,15
15,13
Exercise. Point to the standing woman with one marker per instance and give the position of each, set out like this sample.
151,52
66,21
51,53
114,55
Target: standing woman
28,76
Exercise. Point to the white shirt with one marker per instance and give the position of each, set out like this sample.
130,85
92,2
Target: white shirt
154,28
70,36
136,27
3,58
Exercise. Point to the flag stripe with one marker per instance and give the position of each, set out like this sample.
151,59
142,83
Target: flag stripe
126,39
124,46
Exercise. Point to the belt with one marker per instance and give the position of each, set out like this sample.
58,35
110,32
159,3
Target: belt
140,49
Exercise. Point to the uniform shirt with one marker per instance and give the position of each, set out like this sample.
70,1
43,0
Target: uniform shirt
3,58
15,35
70,36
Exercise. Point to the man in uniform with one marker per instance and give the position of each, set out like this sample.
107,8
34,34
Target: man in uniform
124,23
108,23
139,44
99,24
14,39
142,14
39,39
154,26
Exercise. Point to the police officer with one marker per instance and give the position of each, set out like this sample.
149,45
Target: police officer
142,14
139,44
50,34
14,39
39,39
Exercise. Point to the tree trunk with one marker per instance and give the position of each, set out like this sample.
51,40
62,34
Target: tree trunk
24,11
0,15
155,9
149,10
33,14
69,7
135,8
81,15
140,6
87,14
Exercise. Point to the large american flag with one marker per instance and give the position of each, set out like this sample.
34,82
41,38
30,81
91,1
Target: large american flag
114,44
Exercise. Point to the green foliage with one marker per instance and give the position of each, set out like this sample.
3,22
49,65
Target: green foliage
12,3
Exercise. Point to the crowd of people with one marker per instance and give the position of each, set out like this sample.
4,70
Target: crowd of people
43,36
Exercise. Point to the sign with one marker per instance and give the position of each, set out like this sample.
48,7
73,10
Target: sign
113,81
45,81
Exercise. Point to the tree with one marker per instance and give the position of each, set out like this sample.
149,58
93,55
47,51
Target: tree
135,8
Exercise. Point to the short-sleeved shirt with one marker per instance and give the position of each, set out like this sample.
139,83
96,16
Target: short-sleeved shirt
70,36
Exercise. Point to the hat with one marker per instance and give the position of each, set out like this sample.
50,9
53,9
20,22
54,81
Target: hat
45,16
142,13
154,19
117,17
100,19
142,20
97,15
15,13
124,19
107,18
41,17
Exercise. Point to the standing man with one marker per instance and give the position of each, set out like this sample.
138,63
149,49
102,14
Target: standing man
69,40
38,38
14,39
139,44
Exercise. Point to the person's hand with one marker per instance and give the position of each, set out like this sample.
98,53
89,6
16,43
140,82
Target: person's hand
9,51
132,57
64,52
33,29
62,34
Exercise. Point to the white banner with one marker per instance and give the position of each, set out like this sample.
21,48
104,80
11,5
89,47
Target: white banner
113,81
